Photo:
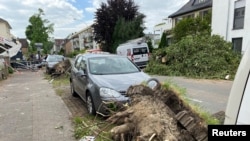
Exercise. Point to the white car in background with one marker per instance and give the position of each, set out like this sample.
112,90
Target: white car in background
238,106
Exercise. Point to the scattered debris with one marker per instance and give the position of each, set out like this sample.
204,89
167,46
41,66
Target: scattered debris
87,138
59,127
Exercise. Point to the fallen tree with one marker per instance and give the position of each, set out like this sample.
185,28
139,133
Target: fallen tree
62,67
157,115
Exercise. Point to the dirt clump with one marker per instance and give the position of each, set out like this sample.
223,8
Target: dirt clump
157,115
61,68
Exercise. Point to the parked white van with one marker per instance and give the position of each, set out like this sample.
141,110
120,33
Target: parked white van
238,106
136,51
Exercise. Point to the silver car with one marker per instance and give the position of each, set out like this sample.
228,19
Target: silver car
50,62
101,79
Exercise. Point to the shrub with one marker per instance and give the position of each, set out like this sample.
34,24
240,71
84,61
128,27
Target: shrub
198,56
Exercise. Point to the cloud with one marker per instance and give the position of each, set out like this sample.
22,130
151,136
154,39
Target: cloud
71,16
155,10
60,12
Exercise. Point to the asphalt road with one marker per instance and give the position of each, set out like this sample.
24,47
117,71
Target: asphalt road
210,95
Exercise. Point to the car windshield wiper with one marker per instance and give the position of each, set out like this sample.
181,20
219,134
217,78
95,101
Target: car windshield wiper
98,73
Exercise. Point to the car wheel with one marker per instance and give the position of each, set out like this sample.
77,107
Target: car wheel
74,94
90,104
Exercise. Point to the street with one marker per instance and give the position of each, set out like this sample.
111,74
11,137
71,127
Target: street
211,95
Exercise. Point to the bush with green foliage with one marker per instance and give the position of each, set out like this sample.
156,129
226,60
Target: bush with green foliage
75,52
10,70
163,42
198,56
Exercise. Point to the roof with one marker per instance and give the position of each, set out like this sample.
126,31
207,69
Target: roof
191,6
4,21
24,42
59,42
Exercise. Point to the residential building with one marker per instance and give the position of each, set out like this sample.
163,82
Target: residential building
230,20
58,45
68,47
192,8
83,39
5,29
9,47
25,45
159,29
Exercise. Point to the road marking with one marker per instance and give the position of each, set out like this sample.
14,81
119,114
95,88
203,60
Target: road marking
195,100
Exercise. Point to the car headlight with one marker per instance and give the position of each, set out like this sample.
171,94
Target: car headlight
106,92
50,65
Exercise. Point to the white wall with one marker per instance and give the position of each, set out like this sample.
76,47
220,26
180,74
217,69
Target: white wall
223,18
4,30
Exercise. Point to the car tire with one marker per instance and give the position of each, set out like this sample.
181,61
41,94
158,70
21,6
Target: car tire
90,104
72,90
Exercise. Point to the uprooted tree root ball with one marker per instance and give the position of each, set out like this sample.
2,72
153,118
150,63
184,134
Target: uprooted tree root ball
62,67
157,115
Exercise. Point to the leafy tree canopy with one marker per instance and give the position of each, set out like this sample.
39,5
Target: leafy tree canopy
127,30
163,42
115,12
38,31
192,26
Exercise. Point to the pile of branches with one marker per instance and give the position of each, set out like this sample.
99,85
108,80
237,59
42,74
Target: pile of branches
62,68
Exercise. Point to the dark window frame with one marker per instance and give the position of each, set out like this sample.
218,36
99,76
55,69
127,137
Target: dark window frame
237,44
239,17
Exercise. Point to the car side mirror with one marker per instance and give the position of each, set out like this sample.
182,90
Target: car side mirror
81,73
153,83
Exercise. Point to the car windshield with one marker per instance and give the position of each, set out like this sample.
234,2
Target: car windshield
111,65
55,58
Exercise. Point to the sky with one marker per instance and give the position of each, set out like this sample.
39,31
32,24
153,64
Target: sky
69,16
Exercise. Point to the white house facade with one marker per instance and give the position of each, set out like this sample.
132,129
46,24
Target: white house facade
231,20
159,29
83,39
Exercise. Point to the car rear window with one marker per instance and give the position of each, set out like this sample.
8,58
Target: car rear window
142,50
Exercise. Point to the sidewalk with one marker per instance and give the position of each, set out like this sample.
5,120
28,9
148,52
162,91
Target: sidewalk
30,110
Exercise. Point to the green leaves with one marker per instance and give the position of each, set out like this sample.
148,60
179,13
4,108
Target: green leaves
192,26
116,22
38,31
198,56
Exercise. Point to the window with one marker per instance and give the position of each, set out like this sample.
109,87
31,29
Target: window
237,44
239,14
139,51
82,65
203,13
77,62
201,1
178,19
196,2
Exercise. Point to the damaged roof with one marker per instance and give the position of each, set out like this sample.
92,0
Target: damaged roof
191,6
4,21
